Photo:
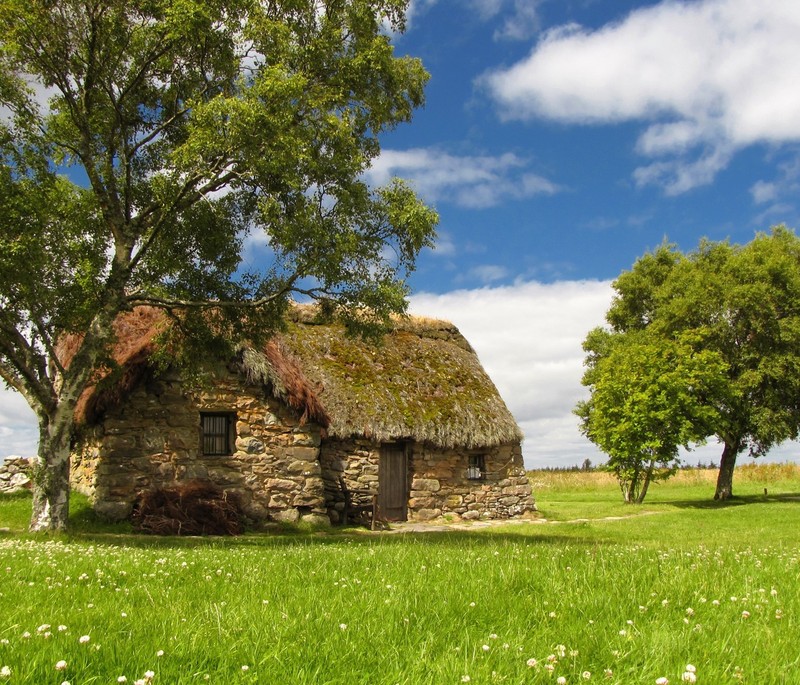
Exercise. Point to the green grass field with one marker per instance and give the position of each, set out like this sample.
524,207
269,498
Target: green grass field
602,593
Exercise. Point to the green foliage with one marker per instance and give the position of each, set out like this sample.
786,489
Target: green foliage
648,397
208,131
726,318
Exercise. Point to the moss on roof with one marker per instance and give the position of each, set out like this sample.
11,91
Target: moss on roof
422,381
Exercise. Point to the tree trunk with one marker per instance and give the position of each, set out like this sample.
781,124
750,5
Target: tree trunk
51,478
645,484
725,477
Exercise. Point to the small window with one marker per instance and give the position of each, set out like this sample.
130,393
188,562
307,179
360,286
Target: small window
218,433
477,467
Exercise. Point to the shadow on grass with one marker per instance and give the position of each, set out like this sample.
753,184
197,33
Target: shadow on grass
287,537
85,526
736,501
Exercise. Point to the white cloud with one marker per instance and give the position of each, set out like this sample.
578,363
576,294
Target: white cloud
763,192
522,24
707,78
18,428
488,273
444,246
779,194
529,336
469,181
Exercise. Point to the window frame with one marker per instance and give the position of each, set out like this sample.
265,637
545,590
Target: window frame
476,466
222,434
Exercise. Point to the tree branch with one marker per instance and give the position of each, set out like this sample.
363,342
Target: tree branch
184,198
138,300
20,371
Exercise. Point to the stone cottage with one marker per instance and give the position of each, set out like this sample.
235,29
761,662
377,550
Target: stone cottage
414,419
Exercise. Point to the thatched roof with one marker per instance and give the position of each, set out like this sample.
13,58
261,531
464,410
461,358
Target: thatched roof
135,336
423,382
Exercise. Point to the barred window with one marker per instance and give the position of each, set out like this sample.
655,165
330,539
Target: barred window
217,433
476,470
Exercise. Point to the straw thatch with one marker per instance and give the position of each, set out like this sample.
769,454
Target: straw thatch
422,382
135,335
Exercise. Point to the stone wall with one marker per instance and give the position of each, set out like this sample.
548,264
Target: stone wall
282,470
437,480
154,440
440,487
356,461
14,474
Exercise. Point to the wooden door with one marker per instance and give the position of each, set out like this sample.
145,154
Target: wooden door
393,482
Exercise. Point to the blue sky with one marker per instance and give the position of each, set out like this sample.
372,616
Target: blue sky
567,147
562,139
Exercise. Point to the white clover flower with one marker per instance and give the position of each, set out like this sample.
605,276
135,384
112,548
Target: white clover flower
5,672
465,678
83,639
689,677
62,628
745,614
149,675
160,652
532,663
485,648
122,679
245,668
61,665
342,626
586,675
608,673
561,680
662,681
690,668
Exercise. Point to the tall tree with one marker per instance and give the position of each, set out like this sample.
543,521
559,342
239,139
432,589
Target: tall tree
649,396
743,303
204,131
